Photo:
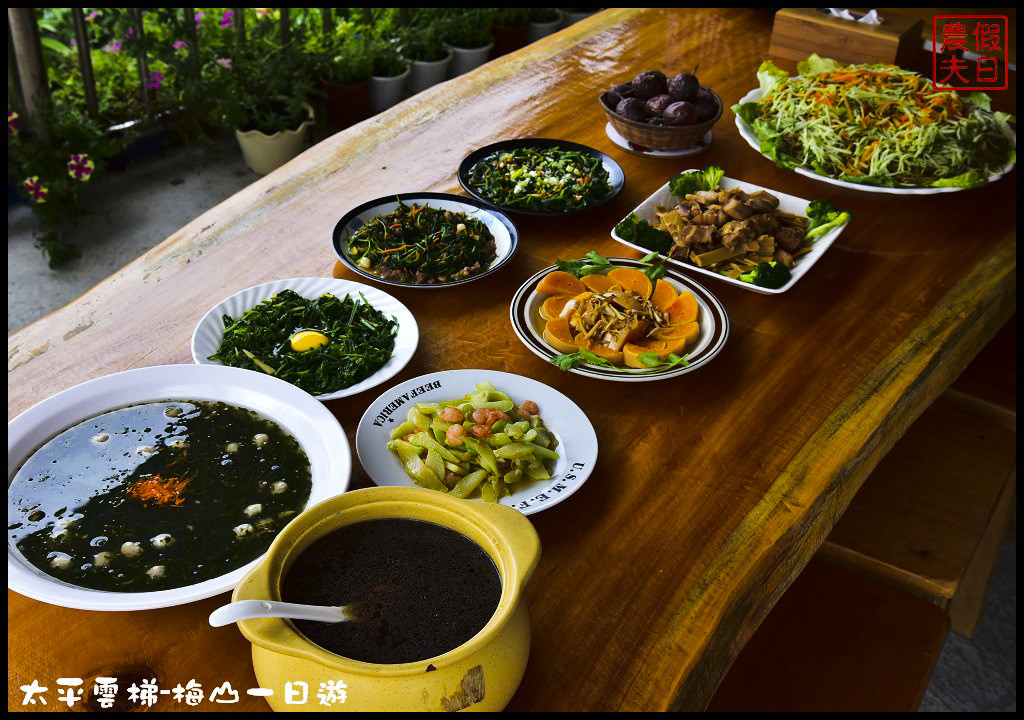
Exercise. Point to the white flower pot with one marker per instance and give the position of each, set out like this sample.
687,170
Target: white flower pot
538,30
425,74
263,153
387,91
466,59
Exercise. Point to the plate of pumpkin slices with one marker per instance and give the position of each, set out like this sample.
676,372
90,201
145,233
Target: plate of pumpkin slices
619,319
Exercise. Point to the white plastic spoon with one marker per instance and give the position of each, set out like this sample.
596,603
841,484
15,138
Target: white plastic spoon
249,609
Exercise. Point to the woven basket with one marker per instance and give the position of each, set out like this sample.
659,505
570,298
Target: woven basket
661,137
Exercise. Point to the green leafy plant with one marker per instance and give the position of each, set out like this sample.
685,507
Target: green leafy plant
468,28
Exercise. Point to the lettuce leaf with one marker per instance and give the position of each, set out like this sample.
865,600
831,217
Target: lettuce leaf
815,64
768,75
969,179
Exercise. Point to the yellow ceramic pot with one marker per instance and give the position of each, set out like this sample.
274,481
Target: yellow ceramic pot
481,674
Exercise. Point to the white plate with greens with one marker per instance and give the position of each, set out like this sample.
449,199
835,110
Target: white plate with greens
339,377
917,131
575,440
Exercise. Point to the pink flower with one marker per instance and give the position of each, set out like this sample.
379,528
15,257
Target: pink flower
80,167
35,189
199,18
180,45
114,47
263,12
74,42
13,123
228,19
224,63
155,80
93,15
128,34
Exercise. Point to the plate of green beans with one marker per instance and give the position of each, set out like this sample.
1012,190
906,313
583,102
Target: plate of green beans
541,176
424,239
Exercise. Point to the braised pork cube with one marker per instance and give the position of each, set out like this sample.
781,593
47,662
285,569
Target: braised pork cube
737,209
705,197
695,235
738,232
789,237
762,202
712,216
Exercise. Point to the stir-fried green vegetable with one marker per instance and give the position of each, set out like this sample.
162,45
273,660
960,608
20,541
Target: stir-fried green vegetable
541,179
877,125
423,245
354,340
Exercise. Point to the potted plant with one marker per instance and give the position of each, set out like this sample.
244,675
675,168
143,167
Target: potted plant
510,28
264,100
574,15
390,71
543,22
467,34
424,46
343,63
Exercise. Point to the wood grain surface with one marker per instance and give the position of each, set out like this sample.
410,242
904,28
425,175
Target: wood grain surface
712,490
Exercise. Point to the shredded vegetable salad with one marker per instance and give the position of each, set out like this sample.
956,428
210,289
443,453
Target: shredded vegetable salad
541,179
877,125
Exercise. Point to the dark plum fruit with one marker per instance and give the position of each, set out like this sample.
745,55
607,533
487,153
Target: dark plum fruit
680,113
707,107
683,86
648,84
622,89
657,104
612,99
631,108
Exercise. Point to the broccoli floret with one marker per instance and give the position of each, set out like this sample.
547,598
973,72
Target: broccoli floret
642,233
823,216
692,181
771,275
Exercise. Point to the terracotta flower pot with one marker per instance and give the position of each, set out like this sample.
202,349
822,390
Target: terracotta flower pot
347,103
263,153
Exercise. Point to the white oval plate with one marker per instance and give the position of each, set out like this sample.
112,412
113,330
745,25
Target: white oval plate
747,133
210,330
714,327
296,411
506,237
616,137
787,203
577,442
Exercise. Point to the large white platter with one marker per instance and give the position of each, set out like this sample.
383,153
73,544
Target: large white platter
295,411
210,331
787,203
714,328
747,133
577,442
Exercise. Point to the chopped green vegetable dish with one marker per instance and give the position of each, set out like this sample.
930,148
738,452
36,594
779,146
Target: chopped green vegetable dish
420,244
877,125
548,180
321,345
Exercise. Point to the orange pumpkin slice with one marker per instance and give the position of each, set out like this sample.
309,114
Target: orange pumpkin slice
599,283
552,307
559,282
632,279
559,336
664,294
631,356
684,309
687,332
664,348
612,356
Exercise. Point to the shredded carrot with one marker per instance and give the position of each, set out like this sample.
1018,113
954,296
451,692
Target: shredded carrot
159,490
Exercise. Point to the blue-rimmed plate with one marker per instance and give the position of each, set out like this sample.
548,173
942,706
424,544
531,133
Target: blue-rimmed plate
616,178
506,237
714,327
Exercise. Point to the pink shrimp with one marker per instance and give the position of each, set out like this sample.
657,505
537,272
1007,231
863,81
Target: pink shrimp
481,431
451,414
454,435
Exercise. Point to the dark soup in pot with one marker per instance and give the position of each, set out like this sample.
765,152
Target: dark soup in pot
157,495
417,589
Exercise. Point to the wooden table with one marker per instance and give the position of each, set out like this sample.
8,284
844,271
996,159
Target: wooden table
712,490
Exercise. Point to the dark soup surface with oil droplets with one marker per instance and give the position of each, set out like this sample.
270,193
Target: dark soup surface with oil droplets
157,495
416,589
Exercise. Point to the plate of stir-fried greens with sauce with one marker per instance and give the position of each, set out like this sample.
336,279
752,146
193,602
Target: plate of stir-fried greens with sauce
541,176
878,128
424,239
331,338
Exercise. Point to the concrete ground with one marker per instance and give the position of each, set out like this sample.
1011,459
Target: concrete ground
134,211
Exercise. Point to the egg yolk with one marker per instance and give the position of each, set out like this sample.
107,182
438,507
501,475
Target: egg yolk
308,340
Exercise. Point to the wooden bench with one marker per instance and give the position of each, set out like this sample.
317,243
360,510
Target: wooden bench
932,516
837,641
